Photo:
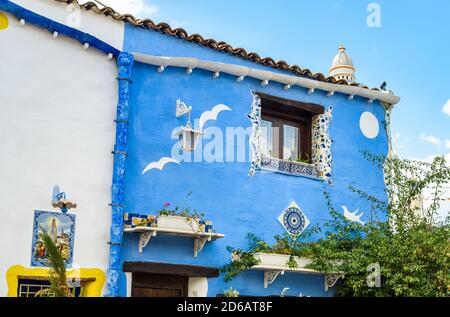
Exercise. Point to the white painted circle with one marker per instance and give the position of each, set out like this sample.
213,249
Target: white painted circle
369,125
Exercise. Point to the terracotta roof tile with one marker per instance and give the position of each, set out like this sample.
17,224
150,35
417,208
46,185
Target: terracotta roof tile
211,43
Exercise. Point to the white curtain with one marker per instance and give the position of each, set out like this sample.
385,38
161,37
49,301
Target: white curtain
290,143
266,137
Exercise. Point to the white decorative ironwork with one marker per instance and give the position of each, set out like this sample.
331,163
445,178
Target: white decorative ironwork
182,108
144,239
199,243
331,280
270,276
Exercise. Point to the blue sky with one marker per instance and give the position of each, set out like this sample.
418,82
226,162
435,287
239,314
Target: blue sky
410,50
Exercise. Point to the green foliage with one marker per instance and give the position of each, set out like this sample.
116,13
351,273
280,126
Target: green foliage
412,250
241,261
58,278
291,263
231,292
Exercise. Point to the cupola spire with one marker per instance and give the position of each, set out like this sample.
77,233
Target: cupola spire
342,66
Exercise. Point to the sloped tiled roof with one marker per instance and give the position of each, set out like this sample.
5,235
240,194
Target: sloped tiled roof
211,43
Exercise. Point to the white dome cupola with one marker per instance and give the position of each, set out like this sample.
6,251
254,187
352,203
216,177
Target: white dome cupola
342,66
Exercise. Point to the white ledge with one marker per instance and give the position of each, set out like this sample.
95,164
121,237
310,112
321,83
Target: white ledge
264,75
274,265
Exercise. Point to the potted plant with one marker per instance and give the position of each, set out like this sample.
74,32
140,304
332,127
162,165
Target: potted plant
180,219
281,260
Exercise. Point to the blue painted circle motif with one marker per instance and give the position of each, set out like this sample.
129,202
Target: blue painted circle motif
294,220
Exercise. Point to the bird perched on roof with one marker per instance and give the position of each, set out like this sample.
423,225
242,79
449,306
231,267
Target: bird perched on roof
383,86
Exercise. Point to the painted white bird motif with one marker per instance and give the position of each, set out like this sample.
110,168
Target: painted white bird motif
159,165
212,114
352,216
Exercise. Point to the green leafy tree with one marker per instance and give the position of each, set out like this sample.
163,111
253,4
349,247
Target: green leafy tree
402,250
58,278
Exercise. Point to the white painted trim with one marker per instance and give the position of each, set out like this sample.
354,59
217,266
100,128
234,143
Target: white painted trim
243,71
129,279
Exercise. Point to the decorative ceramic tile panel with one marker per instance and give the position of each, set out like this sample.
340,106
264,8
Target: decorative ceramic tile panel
255,118
288,167
294,220
321,144
61,228
387,126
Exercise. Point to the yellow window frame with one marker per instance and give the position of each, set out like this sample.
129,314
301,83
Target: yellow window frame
90,289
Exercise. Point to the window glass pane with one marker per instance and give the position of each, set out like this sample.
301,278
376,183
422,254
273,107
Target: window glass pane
266,137
290,143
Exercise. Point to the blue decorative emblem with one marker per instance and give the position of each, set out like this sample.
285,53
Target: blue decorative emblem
294,220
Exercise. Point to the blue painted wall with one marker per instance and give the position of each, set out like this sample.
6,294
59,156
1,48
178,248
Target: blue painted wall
236,203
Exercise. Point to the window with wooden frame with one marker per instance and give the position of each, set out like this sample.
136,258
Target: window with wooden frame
286,128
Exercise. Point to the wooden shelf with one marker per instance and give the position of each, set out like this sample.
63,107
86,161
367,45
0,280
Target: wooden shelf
200,238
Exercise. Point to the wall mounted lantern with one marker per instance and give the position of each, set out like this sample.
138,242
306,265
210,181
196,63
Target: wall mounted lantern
188,136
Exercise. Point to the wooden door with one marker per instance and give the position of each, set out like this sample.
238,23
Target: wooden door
159,285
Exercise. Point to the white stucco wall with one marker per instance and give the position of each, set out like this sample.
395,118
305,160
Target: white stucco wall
57,107
104,28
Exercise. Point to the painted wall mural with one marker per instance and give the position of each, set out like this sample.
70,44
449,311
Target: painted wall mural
212,114
186,131
160,164
321,144
61,228
353,216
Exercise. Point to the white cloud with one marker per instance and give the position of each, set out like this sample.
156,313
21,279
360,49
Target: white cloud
447,144
139,8
430,139
446,108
